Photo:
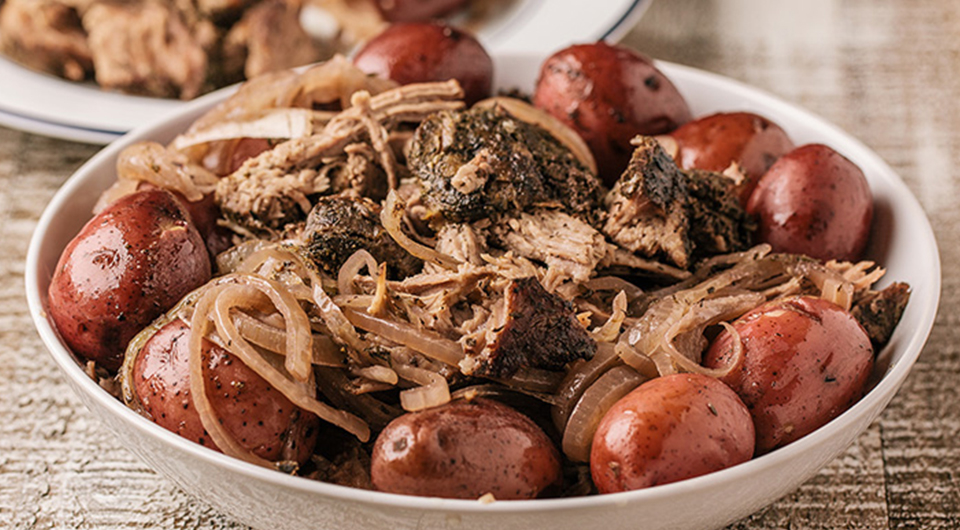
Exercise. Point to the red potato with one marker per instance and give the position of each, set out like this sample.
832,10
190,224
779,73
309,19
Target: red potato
417,10
127,266
814,201
259,417
204,214
805,361
609,94
463,450
716,141
420,52
669,429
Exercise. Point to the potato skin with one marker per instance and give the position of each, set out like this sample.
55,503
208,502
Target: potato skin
420,52
126,267
668,429
814,201
258,416
714,142
417,10
805,361
609,94
463,450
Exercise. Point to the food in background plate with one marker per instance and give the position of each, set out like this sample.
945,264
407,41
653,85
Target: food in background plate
181,49
439,283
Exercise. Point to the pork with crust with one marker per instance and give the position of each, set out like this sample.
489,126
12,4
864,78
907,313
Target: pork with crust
658,210
528,327
339,226
482,162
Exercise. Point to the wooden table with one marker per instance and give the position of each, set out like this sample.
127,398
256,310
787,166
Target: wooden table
887,71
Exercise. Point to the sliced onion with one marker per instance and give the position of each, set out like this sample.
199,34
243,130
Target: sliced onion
709,313
643,364
378,373
686,365
270,123
528,113
581,375
614,283
325,351
422,341
351,269
231,260
434,390
154,163
533,380
392,218
596,401
299,340
611,328
198,391
333,383
299,393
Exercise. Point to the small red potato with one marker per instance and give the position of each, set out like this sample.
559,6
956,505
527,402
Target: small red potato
204,214
670,428
127,266
463,450
259,417
421,52
805,361
609,94
716,141
814,201
417,10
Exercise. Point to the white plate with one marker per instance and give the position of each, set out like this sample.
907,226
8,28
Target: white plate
902,241
45,104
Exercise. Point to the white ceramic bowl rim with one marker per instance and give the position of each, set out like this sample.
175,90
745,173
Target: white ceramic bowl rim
890,381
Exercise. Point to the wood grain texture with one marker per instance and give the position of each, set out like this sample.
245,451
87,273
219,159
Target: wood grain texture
885,71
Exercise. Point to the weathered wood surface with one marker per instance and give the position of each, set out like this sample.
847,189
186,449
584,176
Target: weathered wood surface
886,71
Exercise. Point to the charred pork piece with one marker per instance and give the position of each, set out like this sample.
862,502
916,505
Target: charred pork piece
880,311
718,222
270,37
658,210
339,226
480,162
149,47
45,36
529,328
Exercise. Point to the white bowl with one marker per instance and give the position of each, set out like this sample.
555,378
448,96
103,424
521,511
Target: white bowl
902,241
